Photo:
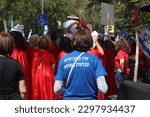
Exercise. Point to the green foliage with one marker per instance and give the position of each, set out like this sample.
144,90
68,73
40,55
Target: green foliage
26,12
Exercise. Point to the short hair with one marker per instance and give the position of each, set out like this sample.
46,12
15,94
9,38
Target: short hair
82,40
6,43
43,43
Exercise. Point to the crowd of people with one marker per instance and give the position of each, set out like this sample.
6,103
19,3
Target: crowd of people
82,67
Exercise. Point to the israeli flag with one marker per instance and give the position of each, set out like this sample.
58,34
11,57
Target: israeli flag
144,39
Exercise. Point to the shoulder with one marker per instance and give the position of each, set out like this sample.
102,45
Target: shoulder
121,52
13,61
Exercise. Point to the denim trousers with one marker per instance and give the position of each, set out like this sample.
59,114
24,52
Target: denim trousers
119,78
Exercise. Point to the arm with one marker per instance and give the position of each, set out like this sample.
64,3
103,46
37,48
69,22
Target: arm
22,89
54,68
100,49
132,57
121,65
101,84
113,42
59,87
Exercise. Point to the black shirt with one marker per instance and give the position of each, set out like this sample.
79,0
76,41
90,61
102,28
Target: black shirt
10,74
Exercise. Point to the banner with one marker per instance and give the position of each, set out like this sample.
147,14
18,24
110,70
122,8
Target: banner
144,39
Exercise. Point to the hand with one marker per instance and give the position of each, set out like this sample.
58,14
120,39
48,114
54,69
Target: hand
119,70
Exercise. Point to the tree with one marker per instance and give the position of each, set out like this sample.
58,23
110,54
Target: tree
26,12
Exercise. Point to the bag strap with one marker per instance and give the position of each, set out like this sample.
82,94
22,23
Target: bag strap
73,67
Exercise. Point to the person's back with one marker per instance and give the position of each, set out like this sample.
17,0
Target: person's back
82,73
12,84
10,74
82,82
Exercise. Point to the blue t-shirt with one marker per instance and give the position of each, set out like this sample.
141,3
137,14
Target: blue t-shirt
82,82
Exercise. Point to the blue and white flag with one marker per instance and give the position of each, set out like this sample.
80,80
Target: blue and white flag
42,20
144,39
124,34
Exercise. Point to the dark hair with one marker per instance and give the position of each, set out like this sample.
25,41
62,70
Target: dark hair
82,40
43,43
20,42
65,44
122,44
52,34
6,43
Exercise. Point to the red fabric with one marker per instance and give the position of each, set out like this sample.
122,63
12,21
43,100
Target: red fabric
83,24
122,55
53,49
22,57
95,52
42,75
136,19
60,55
109,64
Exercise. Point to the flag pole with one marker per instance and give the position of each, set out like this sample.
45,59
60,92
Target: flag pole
42,9
5,26
136,58
137,50
12,22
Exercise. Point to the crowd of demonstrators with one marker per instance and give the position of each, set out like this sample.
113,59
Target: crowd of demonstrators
12,83
74,70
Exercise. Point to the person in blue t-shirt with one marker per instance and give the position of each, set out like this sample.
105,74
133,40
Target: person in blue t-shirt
80,75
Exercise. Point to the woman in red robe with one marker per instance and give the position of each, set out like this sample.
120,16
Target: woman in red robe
109,64
20,54
42,74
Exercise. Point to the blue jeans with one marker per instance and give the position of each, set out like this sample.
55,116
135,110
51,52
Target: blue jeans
119,77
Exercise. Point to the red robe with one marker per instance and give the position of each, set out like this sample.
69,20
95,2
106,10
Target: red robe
42,75
109,64
53,49
60,55
22,57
